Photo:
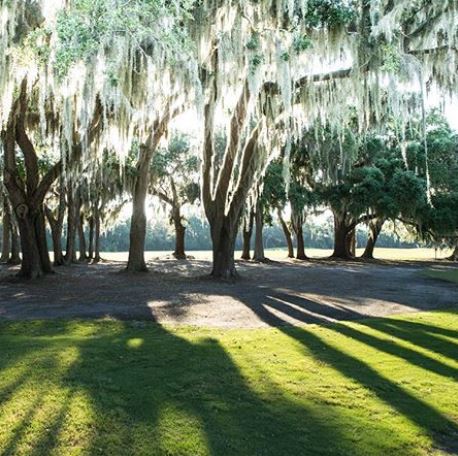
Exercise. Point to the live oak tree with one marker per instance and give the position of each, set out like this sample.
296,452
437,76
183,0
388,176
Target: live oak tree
438,221
175,181
275,192
78,78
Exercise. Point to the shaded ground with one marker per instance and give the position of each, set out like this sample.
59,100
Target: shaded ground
128,388
267,294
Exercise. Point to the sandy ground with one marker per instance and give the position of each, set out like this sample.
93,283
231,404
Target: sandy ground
180,292
413,254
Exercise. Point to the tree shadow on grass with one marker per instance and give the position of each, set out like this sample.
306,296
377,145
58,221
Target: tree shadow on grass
442,430
151,392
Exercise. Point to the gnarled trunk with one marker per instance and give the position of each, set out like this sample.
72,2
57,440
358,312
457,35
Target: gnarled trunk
223,238
375,227
287,233
341,232
35,257
247,232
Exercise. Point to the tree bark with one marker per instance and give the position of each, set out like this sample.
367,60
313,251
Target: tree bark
56,233
6,236
223,239
136,262
297,223
454,255
287,233
259,254
300,253
15,257
40,227
247,232
97,257
91,237
341,231
81,237
56,225
351,242
70,251
375,227
35,257
180,232
31,267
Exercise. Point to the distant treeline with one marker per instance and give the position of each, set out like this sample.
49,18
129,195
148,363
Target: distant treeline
160,236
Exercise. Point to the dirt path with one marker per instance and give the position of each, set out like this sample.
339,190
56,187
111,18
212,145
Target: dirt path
268,294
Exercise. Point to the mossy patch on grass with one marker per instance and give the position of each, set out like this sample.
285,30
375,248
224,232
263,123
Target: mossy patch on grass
379,386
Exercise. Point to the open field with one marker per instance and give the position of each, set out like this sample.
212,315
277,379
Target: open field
376,387
415,254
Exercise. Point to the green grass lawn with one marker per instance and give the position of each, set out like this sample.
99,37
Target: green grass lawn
450,275
382,386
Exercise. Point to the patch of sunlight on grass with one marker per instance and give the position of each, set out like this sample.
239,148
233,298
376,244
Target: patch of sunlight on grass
378,387
73,426
135,342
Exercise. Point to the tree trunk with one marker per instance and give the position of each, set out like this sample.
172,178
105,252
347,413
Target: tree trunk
136,262
297,222
97,257
35,256
15,257
6,237
247,232
91,238
287,233
56,234
70,251
351,243
258,239
375,227
40,228
223,238
300,253
180,232
81,237
341,230
454,255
